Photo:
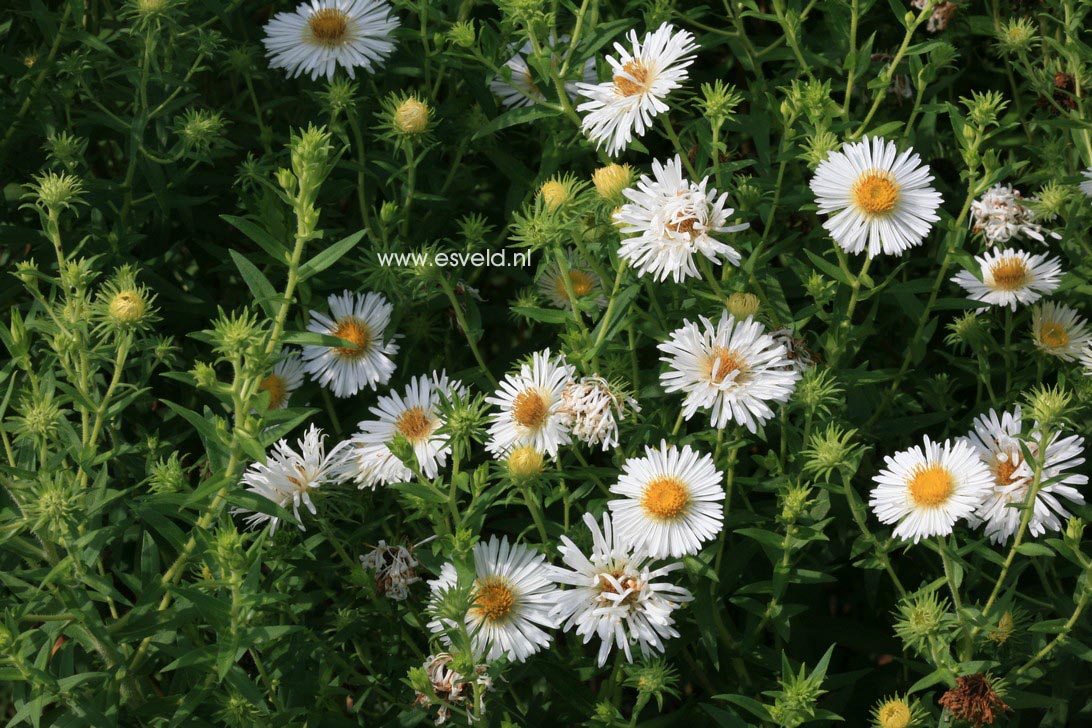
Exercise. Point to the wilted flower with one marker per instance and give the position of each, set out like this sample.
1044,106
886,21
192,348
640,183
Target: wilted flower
395,568
1000,216
593,407
976,699
452,689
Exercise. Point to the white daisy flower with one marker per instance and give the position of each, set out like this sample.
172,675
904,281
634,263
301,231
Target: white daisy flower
616,595
585,283
593,408
640,81
732,368
529,404
1086,186
512,597
1000,216
362,320
287,477
415,415
323,34
672,501
1058,330
882,200
1086,360
521,90
997,440
670,219
926,489
1010,277
286,378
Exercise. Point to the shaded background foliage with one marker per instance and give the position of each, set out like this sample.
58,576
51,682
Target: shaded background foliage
177,117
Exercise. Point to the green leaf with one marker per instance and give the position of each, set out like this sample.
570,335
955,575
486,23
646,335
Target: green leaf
259,285
331,255
276,249
514,118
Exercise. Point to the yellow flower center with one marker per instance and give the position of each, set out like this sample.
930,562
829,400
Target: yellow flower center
329,26
606,586
529,409
894,714
1053,335
1005,469
581,282
494,599
1009,274
722,362
665,498
277,388
686,225
931,485
875,192
639,82
414,424
358,333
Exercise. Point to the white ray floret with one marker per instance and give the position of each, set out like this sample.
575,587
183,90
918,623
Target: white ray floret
362,320
286,378
1011,277
732,368
321,35
925,490
641,78
520,90
617,596
672,501
529,406
513,593
288,477
879,201
413,414
997,440
1059,330
670,220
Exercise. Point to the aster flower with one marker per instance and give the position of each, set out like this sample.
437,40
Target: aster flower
1059,331
321,35
672,501
529,404
997,440
795,349
1086,185
286,378
585,283
732,368
513,594
395,568
287,477
414,415
669,220
975,699
1010,277
520,90
1000,216
593,408
881,201
641,78
926,489
452,688
362,320
616,595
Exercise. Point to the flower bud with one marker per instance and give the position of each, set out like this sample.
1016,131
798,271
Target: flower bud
411,117
524,463
609,181
741,305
